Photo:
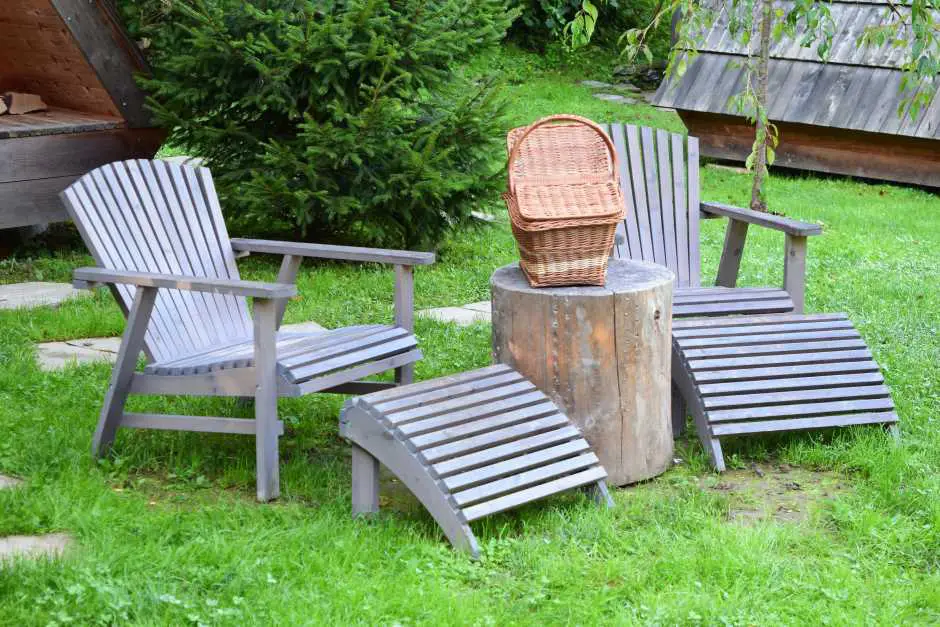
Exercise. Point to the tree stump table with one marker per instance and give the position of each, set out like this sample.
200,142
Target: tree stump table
602,354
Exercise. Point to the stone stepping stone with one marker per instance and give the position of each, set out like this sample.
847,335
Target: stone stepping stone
8,483
461,316
58,355
596,84
618,98
51,545
34,294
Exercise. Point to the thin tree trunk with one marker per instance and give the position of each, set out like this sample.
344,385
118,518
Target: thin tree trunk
762,132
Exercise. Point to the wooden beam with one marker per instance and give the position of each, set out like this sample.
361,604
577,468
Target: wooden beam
110,52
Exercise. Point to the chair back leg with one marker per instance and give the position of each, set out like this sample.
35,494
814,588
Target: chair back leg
266,422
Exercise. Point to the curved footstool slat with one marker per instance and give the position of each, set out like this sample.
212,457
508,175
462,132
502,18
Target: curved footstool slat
468,446
760,374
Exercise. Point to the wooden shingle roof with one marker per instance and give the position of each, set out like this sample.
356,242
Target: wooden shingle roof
857,89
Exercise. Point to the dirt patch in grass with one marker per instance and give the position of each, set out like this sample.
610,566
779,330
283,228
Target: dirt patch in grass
775,492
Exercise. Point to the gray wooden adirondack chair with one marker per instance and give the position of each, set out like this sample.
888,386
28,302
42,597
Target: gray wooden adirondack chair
156,232
745,360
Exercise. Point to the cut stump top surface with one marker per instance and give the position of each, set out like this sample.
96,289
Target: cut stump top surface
622,276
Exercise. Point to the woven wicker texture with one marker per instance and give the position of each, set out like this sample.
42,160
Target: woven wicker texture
564,200
554,152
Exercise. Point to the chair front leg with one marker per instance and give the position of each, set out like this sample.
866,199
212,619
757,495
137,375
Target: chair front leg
794,270
735,237
131,344
404,315
266,423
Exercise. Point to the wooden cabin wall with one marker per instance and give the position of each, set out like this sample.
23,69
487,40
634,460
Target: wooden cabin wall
879,156
40,56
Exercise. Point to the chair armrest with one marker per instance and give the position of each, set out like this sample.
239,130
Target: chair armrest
89,277
769,220
342,253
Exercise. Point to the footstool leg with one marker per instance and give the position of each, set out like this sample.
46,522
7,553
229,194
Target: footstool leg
679,412
365,482
600,493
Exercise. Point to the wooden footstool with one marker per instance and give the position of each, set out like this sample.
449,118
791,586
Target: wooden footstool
467,446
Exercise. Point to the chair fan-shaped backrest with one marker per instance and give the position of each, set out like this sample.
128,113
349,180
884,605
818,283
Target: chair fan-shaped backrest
659,175
155,216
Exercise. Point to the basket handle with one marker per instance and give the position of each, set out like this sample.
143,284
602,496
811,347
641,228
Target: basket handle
563,117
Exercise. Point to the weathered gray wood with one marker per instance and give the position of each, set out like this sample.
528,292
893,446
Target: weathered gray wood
779,360
782,348
449,405
110,51
363,428
769,338
679,412
405,314
268,469
652,195
492,438
757,399
287,274
730,263
695,254
790,383
641,207
380,400
492,472
774,372
487,508
365,482
497,454
330,381
201,424
744,306
794,270
256,289
342,253
803,409
761,218
795,424
602,353
453,389
757,330
159,225
734,321
520,480
684,249
667,200
496,420
131,344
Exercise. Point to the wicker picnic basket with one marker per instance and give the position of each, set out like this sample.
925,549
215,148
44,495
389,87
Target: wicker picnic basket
564,200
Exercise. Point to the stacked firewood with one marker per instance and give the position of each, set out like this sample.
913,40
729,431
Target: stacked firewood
17,103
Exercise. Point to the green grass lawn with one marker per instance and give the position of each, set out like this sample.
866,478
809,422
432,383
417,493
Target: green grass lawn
168,531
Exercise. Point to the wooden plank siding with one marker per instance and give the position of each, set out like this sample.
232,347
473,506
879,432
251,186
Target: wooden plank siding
829,114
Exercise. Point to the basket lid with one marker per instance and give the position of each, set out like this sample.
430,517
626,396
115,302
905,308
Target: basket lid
563,167
569,202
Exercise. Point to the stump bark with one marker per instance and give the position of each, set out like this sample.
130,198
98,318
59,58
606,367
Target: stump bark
603,354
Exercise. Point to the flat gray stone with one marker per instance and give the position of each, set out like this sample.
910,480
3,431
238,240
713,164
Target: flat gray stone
34,547
626,87
7,483
303,327
484,306
728,168
596,84
615,98
35,294
460,316
57,355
